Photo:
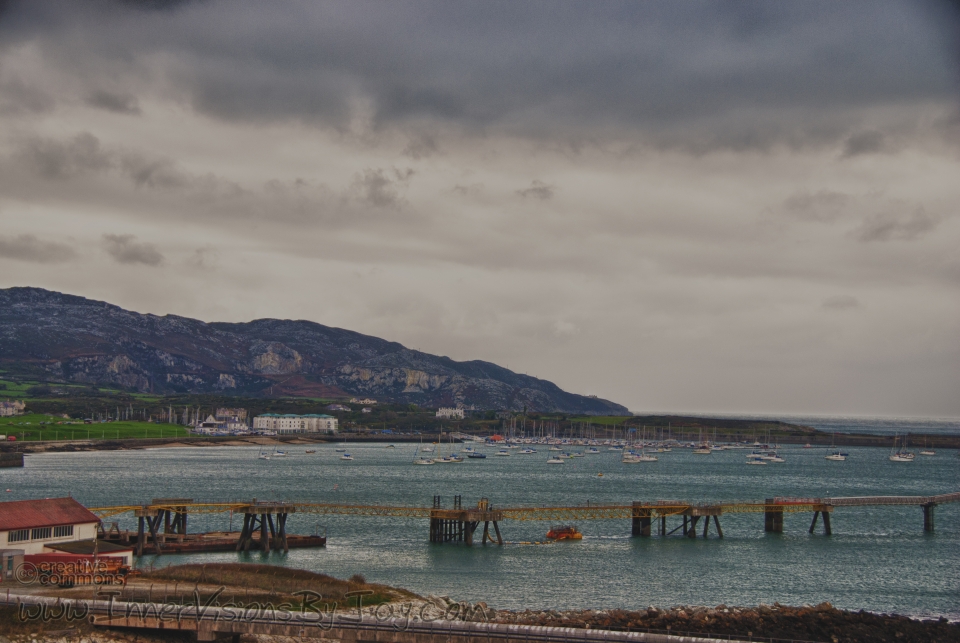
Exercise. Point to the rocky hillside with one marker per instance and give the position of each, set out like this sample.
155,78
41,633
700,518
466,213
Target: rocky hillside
73,339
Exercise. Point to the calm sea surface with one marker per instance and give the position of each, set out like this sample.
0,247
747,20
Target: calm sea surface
878,558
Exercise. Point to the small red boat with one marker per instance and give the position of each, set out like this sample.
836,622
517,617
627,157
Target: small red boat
564,532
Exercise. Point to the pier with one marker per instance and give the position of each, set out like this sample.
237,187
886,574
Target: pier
458,524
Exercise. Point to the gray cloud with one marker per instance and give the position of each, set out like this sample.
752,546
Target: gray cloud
17,97
421,146
840,302
120,103
27,247
53,159
157,173
382,188
824,205
665,73
537,190
860,143
897,226
125,249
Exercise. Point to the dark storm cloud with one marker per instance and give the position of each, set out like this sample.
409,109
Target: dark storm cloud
728,74
124,248
863,143
27,247
114,102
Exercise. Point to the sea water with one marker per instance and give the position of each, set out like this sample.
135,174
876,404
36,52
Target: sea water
878,558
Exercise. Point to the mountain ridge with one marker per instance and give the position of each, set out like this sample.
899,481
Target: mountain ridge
74,339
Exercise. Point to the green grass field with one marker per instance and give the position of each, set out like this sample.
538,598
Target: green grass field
34,427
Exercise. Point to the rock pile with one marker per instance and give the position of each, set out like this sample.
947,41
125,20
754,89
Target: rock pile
808,623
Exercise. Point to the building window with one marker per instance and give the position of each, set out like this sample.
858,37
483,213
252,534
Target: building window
60,532
18,536
40,533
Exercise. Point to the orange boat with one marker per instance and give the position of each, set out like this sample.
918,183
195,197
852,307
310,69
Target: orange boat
564,532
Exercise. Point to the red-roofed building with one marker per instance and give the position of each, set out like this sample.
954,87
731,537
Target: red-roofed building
32,525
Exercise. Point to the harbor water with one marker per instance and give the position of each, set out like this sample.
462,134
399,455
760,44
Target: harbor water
878,558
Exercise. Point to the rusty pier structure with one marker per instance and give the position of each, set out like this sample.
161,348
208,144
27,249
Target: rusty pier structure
457,525
162,523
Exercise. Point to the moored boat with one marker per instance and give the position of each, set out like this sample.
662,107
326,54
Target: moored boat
564,532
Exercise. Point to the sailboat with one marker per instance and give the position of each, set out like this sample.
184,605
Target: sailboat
901,454
927,451
422,460
642,456
836,456
703,448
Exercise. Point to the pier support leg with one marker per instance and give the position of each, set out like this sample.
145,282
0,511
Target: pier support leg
716,523
813,524
692,532
706,525
154,524
641,522
264,541
928,516
684,525
826,523
244,533
496,528
663,525
140,536
773,517
282,526
486,533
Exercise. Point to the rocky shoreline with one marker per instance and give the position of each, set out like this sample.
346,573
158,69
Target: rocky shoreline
778,622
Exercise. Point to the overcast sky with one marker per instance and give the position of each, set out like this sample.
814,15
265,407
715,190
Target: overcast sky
679,206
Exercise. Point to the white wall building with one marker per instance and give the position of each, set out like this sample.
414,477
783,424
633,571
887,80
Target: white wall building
33,525
282,424
450,413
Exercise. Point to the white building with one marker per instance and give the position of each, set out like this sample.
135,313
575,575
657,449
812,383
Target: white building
8,409
35,525
281,424
365,400
450,413
233,420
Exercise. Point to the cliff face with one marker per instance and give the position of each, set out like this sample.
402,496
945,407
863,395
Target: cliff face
80,340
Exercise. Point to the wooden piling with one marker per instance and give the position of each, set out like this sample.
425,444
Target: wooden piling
716,523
